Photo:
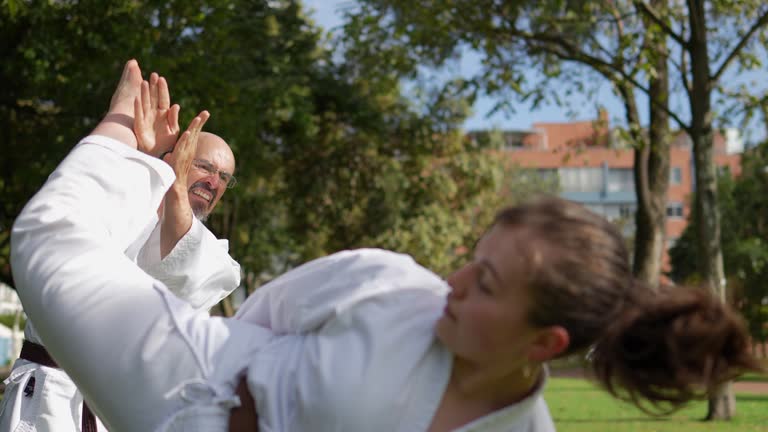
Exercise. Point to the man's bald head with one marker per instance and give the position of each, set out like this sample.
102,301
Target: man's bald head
207,180
213,147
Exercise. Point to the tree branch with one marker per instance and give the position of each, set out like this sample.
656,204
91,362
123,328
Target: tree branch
684,74
646,9
570,52
755,26
619,24
636,63
564,49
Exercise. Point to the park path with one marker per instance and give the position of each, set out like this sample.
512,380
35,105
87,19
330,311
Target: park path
751,387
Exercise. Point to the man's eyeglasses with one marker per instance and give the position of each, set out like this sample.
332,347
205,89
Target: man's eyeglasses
207,167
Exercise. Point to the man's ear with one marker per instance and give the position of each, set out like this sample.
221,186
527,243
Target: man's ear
548,343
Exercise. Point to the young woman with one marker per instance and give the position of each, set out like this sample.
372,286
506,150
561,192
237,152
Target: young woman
360,340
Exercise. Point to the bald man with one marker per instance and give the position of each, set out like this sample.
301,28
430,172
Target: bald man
179,249
175,248
212,173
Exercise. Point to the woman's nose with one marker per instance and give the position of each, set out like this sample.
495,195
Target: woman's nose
459,281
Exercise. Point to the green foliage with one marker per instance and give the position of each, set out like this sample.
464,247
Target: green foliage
512,39
329,156
384,173
249,63
531,53
8,320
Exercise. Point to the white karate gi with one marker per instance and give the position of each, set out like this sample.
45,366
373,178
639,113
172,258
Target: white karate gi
344,343
198,270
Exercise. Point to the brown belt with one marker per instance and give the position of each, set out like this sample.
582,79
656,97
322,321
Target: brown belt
33,352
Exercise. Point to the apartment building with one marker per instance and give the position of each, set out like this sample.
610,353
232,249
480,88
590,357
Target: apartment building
593,166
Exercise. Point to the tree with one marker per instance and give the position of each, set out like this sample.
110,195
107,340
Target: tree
50,82
551,36
327,157
565,42
385,171
247,62
707,44
744,207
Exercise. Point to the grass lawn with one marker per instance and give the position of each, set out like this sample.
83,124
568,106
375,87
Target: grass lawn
754,377
578,406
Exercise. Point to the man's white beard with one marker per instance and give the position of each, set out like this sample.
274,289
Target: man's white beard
200,214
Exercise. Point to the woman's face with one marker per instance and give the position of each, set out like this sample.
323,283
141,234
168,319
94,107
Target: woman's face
484,321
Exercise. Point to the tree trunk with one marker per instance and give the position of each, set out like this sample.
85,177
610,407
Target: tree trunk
764,111
649,221
722,404
650,237
225,305
651,169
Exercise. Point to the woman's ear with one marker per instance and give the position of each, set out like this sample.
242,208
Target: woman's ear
548,343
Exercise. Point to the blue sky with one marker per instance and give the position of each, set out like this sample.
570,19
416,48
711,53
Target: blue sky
326,13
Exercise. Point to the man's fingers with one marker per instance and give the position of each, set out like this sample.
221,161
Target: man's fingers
186,147
184,150
153,90
203,117
173,119
183,140
194,130
198,121
189,135
193,124
163,95
146,103
183,154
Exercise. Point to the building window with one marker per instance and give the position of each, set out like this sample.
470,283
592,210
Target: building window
621,180
513,140
547,174
723,170
626,211
581,179
596,208
671,242
676,175
675,210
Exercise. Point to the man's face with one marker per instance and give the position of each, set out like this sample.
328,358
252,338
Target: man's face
207,179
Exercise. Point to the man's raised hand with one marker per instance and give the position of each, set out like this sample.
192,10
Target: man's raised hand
184,152
156,123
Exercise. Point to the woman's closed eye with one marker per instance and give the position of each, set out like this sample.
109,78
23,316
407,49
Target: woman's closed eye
483,284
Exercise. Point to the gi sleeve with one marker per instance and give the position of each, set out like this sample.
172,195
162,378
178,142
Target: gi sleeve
198,270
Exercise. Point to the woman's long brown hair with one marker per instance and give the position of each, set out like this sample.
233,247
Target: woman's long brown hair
655,348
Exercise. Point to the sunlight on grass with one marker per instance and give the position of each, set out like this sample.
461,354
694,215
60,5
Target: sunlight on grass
578,406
